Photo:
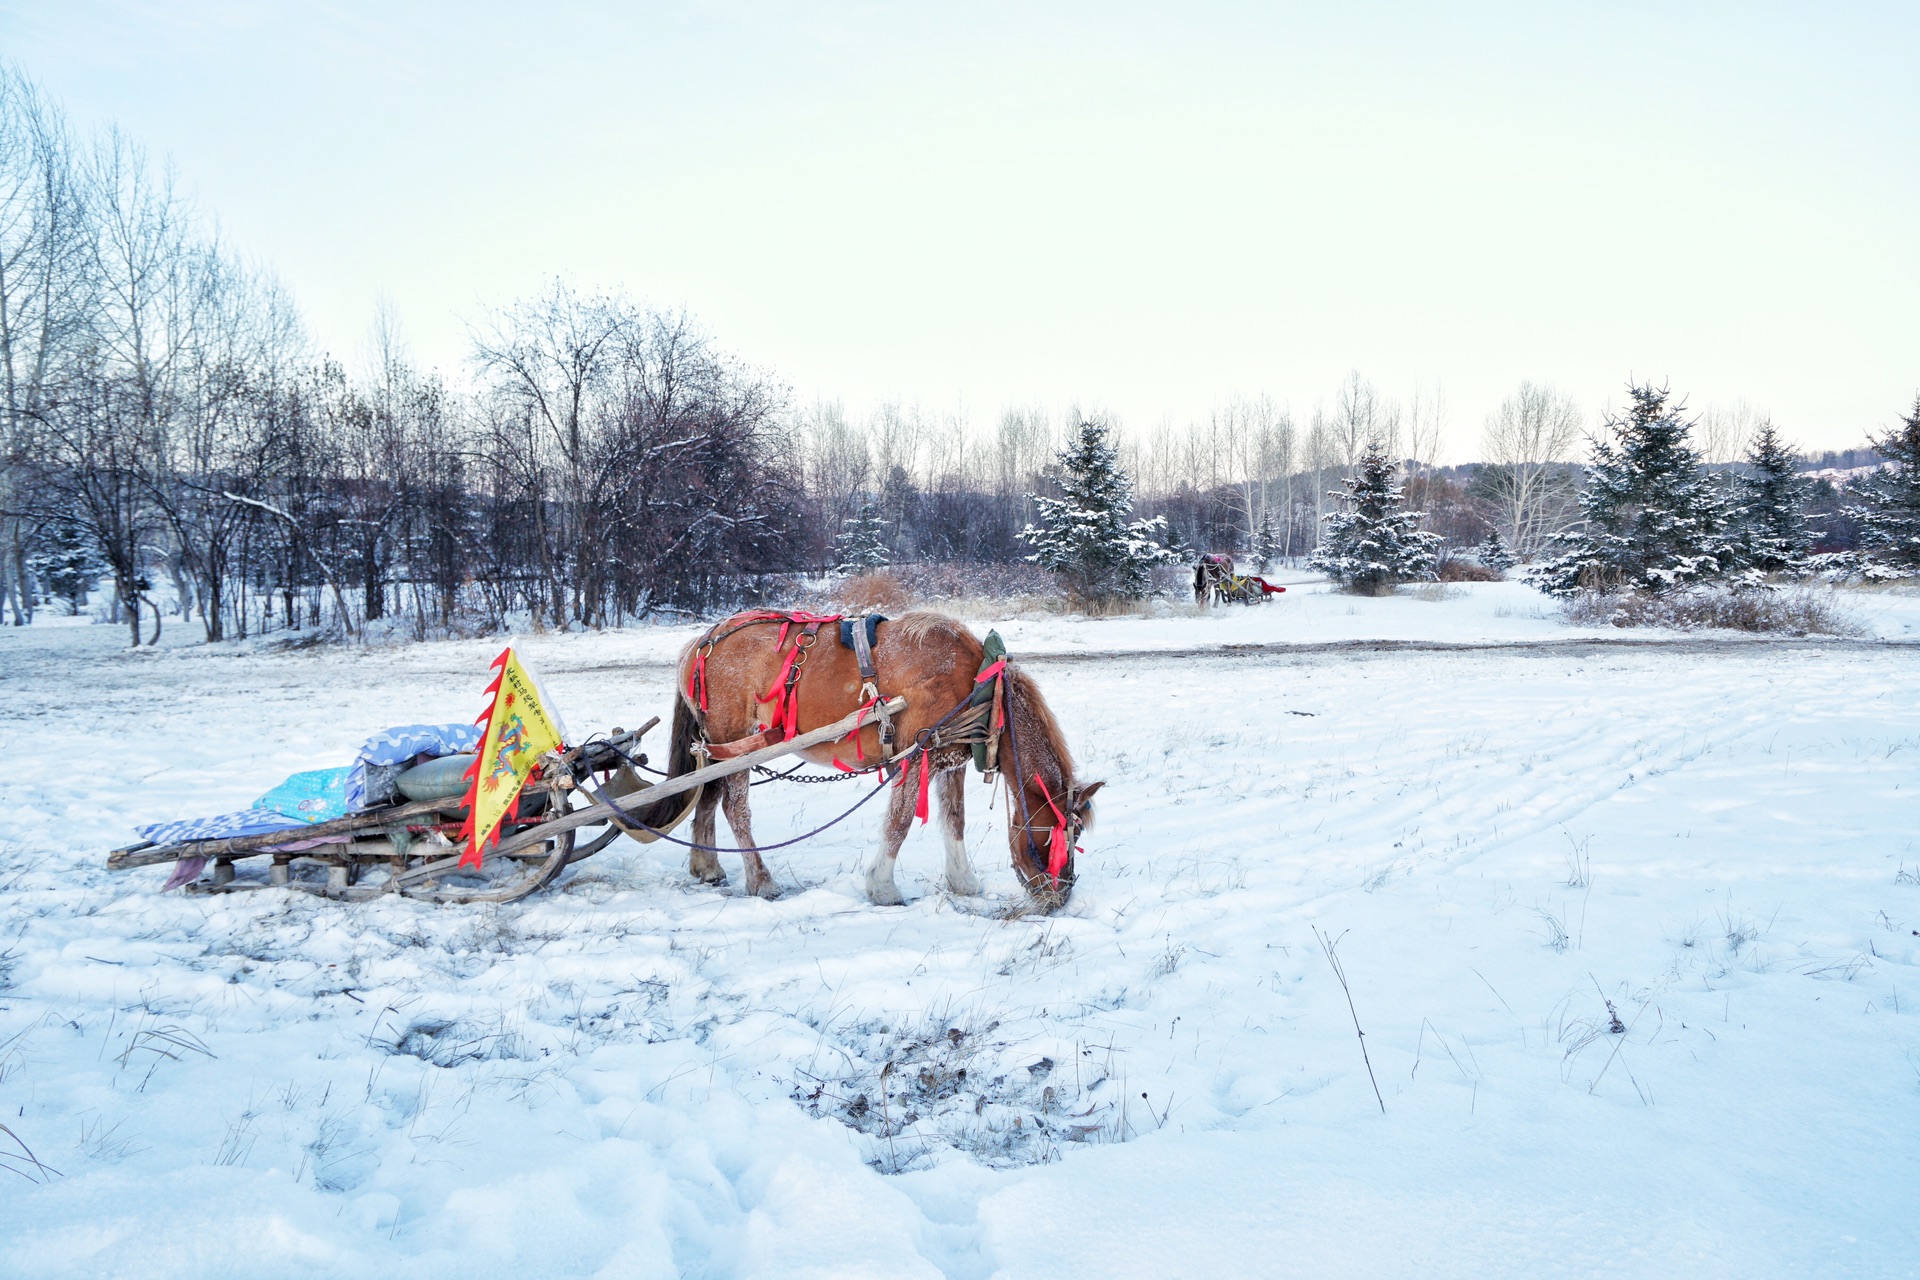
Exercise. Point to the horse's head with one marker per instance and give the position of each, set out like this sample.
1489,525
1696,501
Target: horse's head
1053,821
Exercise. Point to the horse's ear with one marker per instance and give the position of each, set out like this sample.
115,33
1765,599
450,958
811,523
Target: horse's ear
1083,798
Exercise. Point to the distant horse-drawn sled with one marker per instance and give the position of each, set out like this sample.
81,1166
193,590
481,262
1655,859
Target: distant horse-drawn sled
494,811
1215,582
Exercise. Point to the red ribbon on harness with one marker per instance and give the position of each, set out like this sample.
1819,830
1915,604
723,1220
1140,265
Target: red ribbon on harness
995,672
697,678
1057,843
785,688
787,714
920,805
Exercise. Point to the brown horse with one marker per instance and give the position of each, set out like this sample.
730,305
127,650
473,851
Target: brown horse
730,688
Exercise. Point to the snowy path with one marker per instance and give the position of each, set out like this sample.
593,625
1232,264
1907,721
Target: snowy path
636,1075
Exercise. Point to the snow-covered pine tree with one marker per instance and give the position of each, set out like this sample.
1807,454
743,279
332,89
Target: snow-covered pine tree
1375,544
861,546
1653,520
66,563
1890,501
1772,514
1494,553
1266,543
1084,535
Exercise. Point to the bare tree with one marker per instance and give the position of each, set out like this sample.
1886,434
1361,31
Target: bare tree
235,363
839,464
100,477
109,430
1324,453
1725,430
1276,463
555,361
1258,443
1426,429
1358,422
44,283
1525,482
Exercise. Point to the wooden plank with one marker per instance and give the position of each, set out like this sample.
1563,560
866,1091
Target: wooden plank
245,846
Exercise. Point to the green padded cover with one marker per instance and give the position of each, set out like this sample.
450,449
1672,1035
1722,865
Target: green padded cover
442,779
996,649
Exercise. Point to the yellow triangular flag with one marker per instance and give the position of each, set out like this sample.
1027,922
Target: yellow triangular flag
521,726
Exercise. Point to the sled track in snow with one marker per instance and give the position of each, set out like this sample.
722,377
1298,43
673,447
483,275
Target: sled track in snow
1367,648
1363,648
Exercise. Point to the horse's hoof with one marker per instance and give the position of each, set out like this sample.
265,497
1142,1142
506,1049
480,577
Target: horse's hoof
966,887
887,895
766,889
711,877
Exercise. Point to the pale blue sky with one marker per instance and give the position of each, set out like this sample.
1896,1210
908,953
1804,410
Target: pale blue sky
1151,208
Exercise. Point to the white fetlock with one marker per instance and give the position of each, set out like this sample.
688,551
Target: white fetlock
882,891
960,877
967,885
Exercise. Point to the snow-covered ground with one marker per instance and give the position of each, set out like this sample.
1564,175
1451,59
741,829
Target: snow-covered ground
1514,834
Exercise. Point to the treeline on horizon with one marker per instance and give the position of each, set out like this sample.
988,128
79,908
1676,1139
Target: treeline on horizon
169,426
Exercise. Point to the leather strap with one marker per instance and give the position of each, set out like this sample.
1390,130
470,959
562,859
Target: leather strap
741,746
863,650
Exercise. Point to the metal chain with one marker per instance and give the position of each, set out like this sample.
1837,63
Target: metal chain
792,775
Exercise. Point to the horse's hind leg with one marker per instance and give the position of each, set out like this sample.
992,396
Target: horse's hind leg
881,890
953,825
733,799
704,864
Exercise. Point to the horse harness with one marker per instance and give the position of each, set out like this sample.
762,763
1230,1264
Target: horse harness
976,722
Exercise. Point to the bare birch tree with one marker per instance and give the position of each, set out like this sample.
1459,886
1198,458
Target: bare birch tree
1526,443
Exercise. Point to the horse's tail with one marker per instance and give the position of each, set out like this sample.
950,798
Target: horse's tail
686,731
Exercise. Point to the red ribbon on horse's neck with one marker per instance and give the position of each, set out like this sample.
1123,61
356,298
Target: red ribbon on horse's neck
1056,843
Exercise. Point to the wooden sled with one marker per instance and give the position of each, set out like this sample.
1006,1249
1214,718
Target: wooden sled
409,848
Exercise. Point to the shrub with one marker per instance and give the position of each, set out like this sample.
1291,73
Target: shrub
1798,612
878,592
975,580
1457,569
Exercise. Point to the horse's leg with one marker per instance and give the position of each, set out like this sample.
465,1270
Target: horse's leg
704,864
881,890
953,825
733,799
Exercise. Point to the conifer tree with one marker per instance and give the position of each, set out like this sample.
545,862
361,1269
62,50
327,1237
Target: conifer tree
1266,543
861,546
1375,543
1653,521
1084,536
1494,553
66,563
1773,498
1890,506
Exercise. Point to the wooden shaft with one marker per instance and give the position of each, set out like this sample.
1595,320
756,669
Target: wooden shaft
699,777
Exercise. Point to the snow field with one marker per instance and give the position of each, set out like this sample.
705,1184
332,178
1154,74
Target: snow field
637,1075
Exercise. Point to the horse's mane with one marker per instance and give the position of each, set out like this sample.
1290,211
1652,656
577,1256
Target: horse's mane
923,624
1039,716
920,624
